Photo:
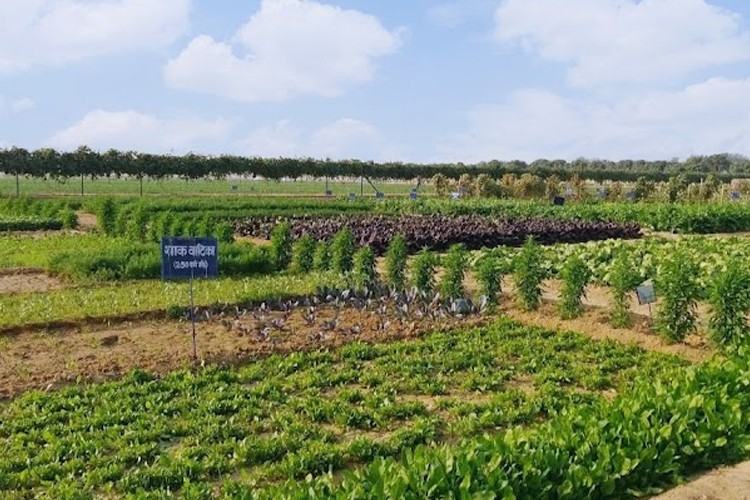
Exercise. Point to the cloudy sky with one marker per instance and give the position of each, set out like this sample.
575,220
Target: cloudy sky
416,80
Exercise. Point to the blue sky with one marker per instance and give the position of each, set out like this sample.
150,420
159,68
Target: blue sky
424,81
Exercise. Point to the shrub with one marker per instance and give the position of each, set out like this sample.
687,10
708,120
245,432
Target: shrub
303,254
364,274
729,296
395,263
281,245
677,285
623,279
528,275
454,270
423,272
342,251
575,275
322,257
107,217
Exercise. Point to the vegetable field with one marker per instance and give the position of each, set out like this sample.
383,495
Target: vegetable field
289,416
370,349
437,232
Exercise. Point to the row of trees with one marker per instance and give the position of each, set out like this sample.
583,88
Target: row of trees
86,162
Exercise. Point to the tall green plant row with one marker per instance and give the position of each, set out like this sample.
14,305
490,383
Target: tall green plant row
528,275
395,263
575,275
677,286
729,296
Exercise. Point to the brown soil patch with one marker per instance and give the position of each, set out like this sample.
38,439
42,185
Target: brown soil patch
594,323
732,483
27,282
252,240
46,359
86,221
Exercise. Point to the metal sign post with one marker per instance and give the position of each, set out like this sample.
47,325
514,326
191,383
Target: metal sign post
182,258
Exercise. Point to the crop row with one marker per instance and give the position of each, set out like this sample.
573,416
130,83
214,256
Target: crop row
26,223
305,413
699,218
659,432
437,232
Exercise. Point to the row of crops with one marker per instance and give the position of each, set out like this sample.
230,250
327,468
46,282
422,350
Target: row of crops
437,232
671,217
285,417
505,410
685,272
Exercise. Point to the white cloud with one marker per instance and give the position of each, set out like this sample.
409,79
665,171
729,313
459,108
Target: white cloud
130,130
287,48
345,138
21,105
458,12
280,140
710,117
36,32
624,41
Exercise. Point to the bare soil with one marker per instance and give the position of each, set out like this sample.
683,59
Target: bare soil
27,281
47,359
730,483
86,221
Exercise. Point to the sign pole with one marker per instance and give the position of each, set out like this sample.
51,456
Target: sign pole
192,313
181,256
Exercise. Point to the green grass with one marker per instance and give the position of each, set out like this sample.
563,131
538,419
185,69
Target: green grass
171,186
305,413
33,251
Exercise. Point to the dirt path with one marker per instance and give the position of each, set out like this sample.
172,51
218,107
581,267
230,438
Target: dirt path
731,483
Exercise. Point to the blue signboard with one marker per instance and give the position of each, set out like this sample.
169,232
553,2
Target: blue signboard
188,257
414,194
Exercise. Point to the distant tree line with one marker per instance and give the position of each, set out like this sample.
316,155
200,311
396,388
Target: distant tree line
54,164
